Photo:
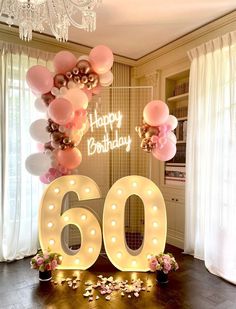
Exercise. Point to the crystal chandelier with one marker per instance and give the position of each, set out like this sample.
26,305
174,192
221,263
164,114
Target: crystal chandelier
32,15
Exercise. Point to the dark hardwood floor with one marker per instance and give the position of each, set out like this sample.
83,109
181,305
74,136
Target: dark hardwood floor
192,286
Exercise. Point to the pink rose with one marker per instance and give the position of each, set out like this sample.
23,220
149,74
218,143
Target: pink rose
54,264
153,264
40,261
167,267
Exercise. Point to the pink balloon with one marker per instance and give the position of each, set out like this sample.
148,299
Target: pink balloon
61,111
39,79
172,122
44,179
155,113
167,152
101,59
64,61
77,97
106,79
69,158
88,93
97,89
40,147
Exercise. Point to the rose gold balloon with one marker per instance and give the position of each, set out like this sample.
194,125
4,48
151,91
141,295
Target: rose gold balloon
47,98
84,66
60,80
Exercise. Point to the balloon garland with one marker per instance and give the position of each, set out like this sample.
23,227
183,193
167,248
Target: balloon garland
64,97
156,131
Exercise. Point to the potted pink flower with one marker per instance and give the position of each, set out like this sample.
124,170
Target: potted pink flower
162,263
45,263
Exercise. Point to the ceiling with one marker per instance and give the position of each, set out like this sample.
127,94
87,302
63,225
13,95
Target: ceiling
134,28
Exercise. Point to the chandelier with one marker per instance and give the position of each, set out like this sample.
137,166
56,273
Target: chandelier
32,15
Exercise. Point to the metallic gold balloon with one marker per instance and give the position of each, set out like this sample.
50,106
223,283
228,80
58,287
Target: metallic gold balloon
47,98
66,140
76,79
92,77
84,79
69,75
75,71
89,85
56,137
60,81
84,66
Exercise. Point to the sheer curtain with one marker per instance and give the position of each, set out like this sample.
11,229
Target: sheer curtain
211,157
19,191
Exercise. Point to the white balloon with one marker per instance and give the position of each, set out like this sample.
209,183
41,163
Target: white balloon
83,57
38,163
172,121
38,131
106,79
40,105
171,136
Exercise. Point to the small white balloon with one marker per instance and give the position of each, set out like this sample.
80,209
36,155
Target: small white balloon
63,90
48,152
172,121
38,163
38,131
62,129
106,79
71,84
171,136
55,91
40,105
83,57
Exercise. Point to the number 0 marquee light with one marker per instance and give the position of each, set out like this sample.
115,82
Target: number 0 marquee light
52,222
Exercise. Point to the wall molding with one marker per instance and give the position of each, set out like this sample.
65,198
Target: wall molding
195,34
50,44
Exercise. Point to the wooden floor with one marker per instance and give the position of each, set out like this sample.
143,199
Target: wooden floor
192,286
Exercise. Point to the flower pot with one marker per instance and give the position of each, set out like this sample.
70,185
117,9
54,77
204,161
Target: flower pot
45,275
162,278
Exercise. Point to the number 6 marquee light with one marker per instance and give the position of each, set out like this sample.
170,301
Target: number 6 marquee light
52,222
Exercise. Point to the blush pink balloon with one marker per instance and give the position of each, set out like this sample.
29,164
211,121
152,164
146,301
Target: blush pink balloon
97,89
39,79
88,93
44,179
61,111
77,97
166,153
40,147
155,113
101,59
172,122
64,61
69,158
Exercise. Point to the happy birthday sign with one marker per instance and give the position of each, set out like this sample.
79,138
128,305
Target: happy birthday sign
109,122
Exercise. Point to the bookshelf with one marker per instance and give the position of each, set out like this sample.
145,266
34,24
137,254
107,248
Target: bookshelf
172,173
176,90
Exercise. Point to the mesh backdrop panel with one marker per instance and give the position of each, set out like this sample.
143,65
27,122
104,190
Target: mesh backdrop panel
106,168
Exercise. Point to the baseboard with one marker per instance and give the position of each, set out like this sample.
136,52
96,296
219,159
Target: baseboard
175,240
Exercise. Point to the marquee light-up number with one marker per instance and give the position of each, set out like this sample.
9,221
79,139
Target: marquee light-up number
121,256
52,223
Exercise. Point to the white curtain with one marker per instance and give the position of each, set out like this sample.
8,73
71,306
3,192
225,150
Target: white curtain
19,191
211,157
